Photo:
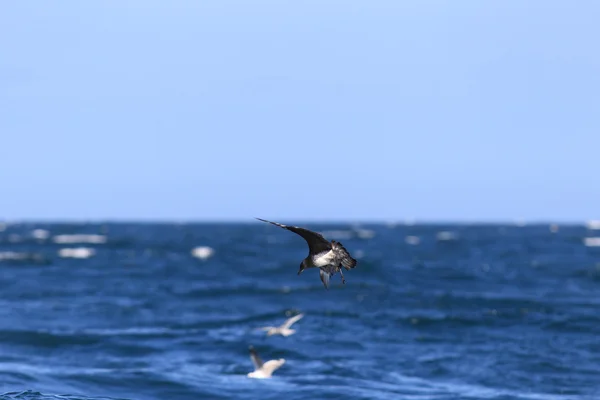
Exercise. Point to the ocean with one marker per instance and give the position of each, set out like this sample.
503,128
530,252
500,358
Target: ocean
168,311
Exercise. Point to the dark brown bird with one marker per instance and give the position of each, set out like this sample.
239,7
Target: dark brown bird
329,257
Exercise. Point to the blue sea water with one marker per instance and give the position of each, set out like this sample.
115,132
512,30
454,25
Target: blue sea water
431,312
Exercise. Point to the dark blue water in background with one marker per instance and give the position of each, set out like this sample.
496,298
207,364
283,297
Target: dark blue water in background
430,312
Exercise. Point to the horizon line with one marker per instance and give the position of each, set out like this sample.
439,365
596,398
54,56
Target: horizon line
379,221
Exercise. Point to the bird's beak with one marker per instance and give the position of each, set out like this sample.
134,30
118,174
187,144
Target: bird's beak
302,267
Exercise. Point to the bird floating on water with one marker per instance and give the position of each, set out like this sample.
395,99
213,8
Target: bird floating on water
283,329
263,370
329,257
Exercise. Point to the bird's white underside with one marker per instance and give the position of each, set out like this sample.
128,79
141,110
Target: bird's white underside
267,369
324,259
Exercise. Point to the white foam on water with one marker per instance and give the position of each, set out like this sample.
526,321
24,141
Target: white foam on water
592,241
412,240
593,224
202,252
446,235
79,238
365,233
78,252
41,234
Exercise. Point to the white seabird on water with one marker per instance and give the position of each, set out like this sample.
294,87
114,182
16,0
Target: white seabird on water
329,257
284,329
263,370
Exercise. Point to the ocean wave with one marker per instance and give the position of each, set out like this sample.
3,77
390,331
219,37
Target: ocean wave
33,395
144,319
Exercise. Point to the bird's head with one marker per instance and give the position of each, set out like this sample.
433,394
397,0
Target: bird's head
303,266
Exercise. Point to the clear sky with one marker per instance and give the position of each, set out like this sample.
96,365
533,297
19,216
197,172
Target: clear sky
300,110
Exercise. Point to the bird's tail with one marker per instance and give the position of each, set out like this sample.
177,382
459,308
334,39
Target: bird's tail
324,277
347,261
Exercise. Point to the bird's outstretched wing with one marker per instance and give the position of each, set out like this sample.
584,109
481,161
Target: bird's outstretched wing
342,254
290,321
265,328
316,242
272,365
258,363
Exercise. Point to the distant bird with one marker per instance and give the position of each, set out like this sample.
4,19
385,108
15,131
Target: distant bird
284,329
329,257
263,370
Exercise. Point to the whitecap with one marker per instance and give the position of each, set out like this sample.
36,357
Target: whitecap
16,256
79,238
593,224
202,252
77,252
592,241
446,235
365,233
40,234
412,240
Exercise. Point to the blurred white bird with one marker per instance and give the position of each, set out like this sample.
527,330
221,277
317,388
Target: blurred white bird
284,329
263,370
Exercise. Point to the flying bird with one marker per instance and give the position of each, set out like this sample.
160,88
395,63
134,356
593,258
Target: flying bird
329,257
284,329
263,370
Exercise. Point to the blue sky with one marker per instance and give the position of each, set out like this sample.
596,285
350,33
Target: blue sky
226,110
